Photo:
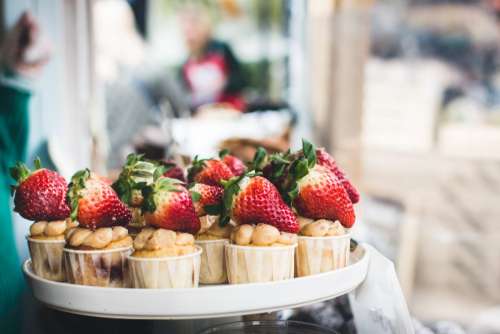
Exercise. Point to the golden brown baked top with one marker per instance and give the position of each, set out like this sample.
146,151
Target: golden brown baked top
159,242
100,239
53,230
211,230
261,235
320,227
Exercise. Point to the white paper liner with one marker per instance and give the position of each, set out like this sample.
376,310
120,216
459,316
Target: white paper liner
251,264
213,262
165,272
106,268
47,258
316,255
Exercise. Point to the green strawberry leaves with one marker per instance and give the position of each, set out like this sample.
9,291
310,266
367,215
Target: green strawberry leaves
309,151
75,187
259,158
148,203
135,175
38,163
195,196
20,172
223,153
196,166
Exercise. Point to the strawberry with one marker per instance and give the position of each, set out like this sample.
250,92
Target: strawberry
209,171
314,190
253,199
207,199
168,204
94,203
325,159
321,195
173,171
41,194
236,165
135,175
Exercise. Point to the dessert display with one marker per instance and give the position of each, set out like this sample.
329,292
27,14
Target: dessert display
281,216
264,252
212,237
95,252
319,192
164,254
40,196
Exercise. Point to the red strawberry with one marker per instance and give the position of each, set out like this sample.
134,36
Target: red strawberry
40,195
322,196
256,200
167,204
94,203
326,160
207,199
236,165
210,172
173,171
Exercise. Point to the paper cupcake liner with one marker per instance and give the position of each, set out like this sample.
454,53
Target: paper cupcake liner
316,255
249,264
106,268
213,262
47,258
165,272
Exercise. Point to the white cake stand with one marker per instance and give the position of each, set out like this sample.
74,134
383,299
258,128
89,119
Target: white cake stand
210,301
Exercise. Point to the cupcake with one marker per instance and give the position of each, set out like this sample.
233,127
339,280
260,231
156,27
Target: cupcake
260,253
264,252
96,251
165,255
212,236
323,245
323,199
164,259
97,257
40,196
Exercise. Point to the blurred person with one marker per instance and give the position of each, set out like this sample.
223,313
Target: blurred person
22,59
212,73
138,96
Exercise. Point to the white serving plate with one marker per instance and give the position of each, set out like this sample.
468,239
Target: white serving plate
210,301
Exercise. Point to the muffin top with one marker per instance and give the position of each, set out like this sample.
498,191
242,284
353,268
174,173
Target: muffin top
100,239
211,230
159,242
320,227
51,230
261,235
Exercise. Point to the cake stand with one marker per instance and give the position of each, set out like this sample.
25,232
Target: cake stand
207,301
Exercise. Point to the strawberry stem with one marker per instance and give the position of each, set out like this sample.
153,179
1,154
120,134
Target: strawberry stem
20,172
38,163
196,167
223,153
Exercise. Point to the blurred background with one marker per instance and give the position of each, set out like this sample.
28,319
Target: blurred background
404,93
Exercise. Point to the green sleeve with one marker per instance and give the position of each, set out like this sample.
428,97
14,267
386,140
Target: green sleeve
13,144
